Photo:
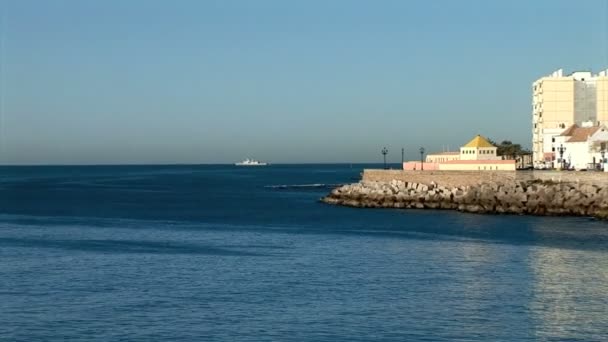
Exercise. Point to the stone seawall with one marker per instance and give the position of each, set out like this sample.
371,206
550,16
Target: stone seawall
534,193
464,178
445,178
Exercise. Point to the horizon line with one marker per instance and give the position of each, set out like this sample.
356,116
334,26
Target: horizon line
197,164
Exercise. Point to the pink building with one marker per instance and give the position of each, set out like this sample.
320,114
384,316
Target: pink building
477,155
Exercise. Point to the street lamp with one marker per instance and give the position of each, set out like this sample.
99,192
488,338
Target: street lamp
421,158
402,155
384,152
561,150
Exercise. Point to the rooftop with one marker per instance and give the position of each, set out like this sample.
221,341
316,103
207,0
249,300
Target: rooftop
578,75
479,141
579,134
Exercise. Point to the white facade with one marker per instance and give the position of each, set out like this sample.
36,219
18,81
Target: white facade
560,150
442,157
550,137
581,148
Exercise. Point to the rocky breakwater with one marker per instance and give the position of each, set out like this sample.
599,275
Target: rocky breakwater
533,197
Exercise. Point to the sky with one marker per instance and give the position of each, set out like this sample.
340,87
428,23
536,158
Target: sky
217,81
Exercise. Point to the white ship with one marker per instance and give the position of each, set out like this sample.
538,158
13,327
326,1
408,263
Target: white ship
250,162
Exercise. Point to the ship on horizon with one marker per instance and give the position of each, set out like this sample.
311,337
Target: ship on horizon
251,162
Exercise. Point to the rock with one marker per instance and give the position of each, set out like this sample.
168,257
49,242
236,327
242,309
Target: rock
473,208
601,214
514,209
504,196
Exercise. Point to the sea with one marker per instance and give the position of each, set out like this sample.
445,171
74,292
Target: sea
227,253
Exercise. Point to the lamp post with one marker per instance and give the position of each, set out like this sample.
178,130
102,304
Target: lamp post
561,150
384,152
402,156
421,158
603,154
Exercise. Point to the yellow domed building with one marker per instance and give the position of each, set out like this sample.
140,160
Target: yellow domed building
476,155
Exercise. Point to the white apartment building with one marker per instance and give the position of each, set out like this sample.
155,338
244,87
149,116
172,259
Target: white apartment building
560,101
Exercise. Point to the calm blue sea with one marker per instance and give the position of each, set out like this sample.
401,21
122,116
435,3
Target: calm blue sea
222,253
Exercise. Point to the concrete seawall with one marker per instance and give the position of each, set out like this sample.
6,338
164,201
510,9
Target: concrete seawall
509,192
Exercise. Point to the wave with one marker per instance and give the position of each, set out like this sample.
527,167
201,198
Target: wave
308,186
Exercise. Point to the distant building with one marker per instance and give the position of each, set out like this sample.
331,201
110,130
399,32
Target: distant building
560,101
523,160
479,149
477,155
442,157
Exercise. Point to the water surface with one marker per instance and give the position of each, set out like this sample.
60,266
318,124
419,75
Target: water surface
222,253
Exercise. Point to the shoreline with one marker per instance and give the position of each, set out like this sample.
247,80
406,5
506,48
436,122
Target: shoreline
478,192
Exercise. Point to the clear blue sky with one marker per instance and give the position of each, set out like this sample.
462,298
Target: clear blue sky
87,81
